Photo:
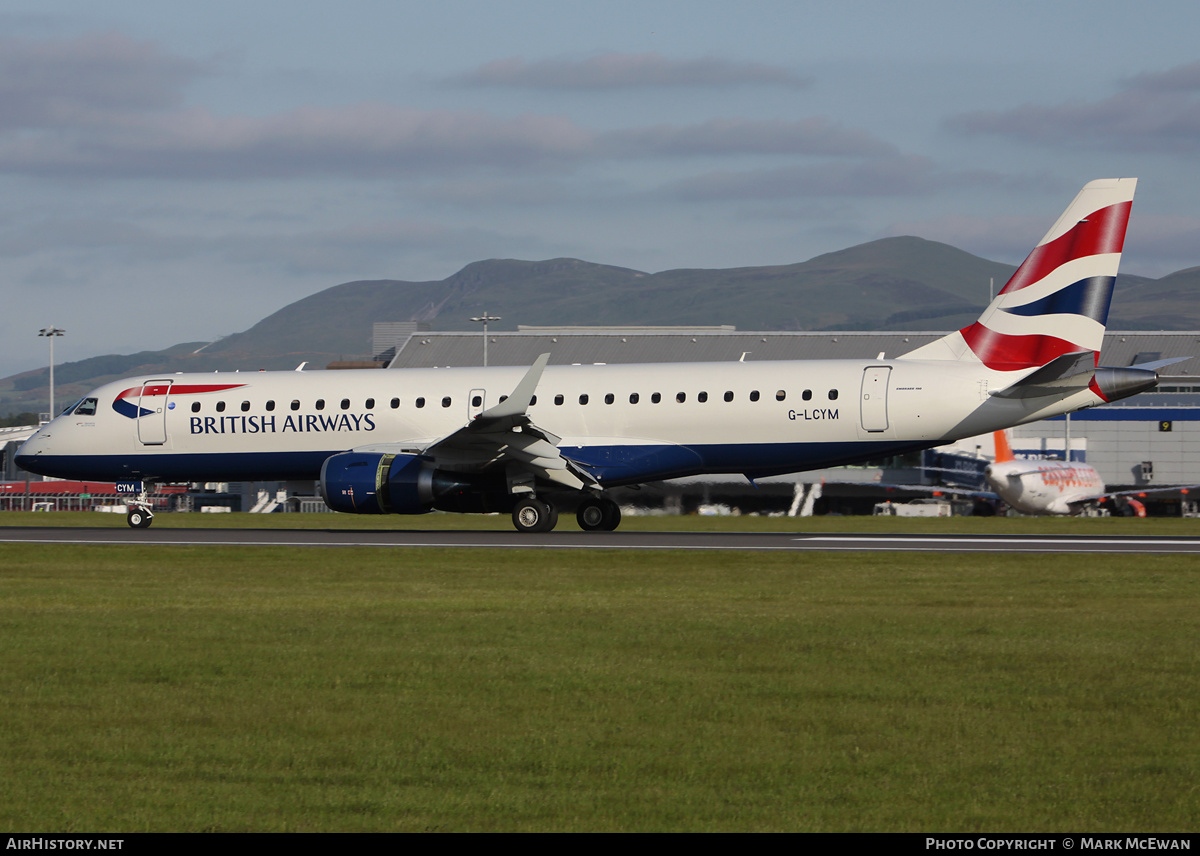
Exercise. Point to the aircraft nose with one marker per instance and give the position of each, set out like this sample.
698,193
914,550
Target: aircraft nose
27,455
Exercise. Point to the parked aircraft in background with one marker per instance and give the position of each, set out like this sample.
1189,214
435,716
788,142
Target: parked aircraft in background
1044,487
530,440
1055,487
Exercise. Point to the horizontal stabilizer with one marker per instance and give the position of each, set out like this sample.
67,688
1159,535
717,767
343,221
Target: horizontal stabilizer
1155,365
1070,371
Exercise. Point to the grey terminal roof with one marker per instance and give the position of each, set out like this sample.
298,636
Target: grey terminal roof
582,345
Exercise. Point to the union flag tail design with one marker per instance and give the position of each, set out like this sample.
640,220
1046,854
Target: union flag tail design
1057,301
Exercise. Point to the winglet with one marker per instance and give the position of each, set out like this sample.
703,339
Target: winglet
518,403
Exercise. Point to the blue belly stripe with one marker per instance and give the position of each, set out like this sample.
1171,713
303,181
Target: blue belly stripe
611,465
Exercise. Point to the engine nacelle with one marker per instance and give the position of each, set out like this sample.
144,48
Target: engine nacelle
379,483
1115,384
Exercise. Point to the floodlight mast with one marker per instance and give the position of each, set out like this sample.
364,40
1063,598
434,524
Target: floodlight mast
485,318
51,333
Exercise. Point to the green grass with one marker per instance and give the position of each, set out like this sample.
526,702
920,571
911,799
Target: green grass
182,688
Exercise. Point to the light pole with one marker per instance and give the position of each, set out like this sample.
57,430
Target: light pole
485,318
50,333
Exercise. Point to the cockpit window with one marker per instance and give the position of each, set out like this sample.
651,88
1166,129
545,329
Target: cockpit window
87,407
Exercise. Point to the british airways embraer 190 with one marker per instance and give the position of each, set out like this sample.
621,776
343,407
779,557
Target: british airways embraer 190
528,439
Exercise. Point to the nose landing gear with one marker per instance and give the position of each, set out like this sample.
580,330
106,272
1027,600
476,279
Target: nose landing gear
141,513
139,518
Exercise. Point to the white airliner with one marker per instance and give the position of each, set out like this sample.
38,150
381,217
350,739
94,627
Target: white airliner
1055,487
1043,487
531,439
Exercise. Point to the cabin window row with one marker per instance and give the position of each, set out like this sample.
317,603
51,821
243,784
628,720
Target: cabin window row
319,404
682,397
559,399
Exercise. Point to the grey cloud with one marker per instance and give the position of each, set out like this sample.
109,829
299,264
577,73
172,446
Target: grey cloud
377,140
366,140
107,106
1152,113
90,237
812,136
898,176
517,191
365,248
50,83
1161,243
623,70
385,249
1180,78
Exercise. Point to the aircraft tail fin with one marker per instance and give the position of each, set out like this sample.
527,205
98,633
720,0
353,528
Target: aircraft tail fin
1004,451
1057,302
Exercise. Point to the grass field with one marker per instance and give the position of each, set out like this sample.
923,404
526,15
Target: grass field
184,688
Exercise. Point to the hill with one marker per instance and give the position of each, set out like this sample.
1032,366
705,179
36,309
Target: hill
872,286
901,283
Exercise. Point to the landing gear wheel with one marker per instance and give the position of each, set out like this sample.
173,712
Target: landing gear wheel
598,515
139,518
612,516
590,516
533,515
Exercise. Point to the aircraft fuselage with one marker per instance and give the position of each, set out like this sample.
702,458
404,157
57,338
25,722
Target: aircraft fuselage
622,423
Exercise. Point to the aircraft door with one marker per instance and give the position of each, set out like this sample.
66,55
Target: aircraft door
152,412
476,402
873,401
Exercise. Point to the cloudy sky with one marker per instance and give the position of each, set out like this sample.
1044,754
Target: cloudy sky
175,171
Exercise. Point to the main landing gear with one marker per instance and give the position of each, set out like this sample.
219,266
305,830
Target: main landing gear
533,515
598,514
595,514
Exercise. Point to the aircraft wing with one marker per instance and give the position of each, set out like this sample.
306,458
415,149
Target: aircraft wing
1143,491
932,490
501,436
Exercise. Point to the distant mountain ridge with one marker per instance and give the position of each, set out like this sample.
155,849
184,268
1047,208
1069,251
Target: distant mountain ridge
902,283
872,286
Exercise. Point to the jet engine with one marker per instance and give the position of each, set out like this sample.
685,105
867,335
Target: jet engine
380,483
1116,384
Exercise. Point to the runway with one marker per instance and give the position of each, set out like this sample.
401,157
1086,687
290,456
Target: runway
766,541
